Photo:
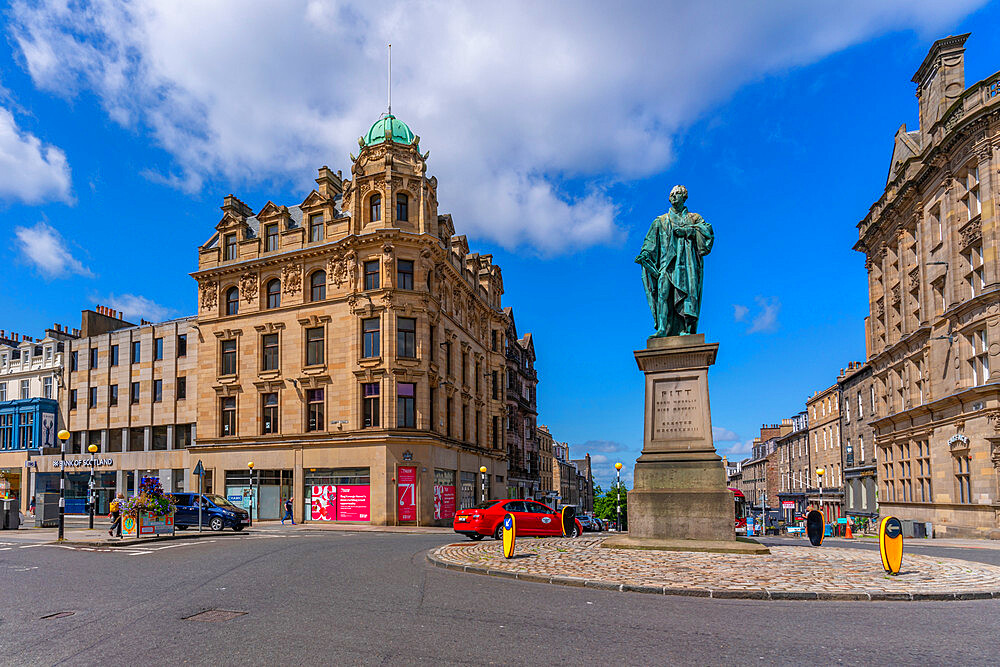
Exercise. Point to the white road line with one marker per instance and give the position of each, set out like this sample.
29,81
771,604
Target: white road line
5,548
29,546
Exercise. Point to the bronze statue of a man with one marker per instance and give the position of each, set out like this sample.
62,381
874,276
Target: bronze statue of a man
673,266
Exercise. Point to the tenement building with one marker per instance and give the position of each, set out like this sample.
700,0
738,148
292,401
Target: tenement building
826,491
860,483
30,375
794,466
546,458
524,475
352,348
931,244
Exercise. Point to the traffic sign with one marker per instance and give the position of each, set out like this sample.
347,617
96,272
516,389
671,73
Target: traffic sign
199,469
890,543
815,527
508,535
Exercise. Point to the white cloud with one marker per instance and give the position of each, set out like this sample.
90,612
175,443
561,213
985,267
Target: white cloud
515,100
45,249
30,171
739,312
766,319
136,307
598,459
722,434
737,450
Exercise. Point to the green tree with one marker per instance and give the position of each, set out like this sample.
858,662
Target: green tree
605,505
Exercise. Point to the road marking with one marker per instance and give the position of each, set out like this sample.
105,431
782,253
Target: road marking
5,548
30,546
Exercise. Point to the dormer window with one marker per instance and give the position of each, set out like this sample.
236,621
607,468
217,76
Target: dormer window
229,247
271,237
375,208
315,227
402,207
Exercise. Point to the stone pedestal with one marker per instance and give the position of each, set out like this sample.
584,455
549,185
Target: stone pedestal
679,496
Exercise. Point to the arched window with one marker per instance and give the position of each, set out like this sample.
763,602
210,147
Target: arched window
274,293
317,286
375,212
402,207
232,301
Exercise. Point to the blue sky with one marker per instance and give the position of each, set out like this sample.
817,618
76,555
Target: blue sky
556,139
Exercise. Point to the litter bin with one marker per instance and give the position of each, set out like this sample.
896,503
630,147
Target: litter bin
10,514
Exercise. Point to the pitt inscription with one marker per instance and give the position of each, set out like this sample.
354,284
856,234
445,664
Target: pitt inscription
677,411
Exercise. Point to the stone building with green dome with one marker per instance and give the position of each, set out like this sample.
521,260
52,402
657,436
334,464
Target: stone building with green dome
353,346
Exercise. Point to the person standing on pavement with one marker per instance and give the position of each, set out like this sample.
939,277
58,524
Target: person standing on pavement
288,512
116,515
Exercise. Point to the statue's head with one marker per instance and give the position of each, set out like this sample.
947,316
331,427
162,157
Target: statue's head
678,195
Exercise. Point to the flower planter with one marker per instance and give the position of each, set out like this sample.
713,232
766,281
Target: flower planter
147,524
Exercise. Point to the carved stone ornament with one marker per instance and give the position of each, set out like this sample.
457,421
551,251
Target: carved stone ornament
914,278
958,443
209,294
971,233
993,417
351,268
291,278
248,286
880,308
337,270
895,294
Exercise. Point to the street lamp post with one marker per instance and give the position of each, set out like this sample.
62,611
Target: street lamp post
93,450
250,465
618,498
819,476
482,471
63,435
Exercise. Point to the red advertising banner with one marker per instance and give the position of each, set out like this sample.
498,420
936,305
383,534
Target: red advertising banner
352,503
406,493
444,502
324,503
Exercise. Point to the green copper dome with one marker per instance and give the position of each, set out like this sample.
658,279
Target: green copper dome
401,134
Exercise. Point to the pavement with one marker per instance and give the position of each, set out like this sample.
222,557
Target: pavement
360,598
787,572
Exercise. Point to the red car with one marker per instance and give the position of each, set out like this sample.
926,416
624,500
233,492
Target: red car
531,519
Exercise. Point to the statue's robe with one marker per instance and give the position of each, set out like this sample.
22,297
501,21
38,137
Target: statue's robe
672,270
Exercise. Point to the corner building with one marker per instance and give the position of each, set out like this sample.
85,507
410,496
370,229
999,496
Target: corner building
932,248
352,348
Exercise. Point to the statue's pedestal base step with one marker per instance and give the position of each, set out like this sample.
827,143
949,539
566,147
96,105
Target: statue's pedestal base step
736,546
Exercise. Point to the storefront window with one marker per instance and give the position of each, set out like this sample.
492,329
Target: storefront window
444,494
337,494
468,490
272,487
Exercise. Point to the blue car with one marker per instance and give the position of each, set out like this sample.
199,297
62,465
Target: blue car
217,513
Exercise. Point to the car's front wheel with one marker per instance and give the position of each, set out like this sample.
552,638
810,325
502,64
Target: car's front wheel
216,524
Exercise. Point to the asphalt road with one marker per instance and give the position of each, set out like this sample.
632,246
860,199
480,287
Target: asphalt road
348,598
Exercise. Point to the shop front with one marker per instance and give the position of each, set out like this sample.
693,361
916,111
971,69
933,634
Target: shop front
338,494
271,487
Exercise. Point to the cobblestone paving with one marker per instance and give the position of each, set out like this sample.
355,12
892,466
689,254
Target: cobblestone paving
789,572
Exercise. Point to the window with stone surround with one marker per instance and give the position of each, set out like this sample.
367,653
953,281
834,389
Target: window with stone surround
923,472
962,481
157,391
371,275
181,388
970,200
134,393
406,414
136,351
370,338
315,227
227,416
92,398
232,301
269,352
314,415
228,358
406,337
273,290
975,275
269,413
936,226
317,286
369,405
93,358
375,208
402,207
271,237
404,274
979,362
315,348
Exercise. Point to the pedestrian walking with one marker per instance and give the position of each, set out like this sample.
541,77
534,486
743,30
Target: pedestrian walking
288,512
116,515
